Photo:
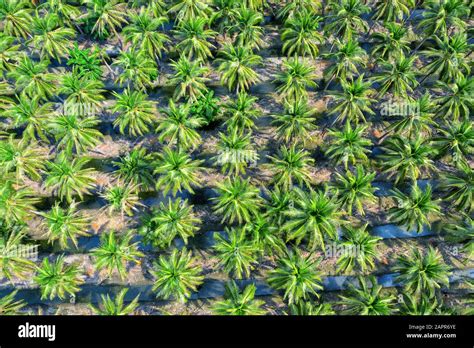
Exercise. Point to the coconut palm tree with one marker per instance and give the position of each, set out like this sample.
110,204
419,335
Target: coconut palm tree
295,123
354,189
135,168
223,16
194,39
459,188
290,166
144,33
456,139
237,254
106,17
247,27
67,13
82,91
422,305
177,172
461,230
16,202
169,221
236,67
25,160
295,79
56,279
69,177
135,112
348,145
12,264
176,276
16,18
189,79
297,276
404,157
310,308
238,200
392,10
50,38
414,210
116,306
360,249
33,78
75,134
115,252
314,217
367,299
391,44
440,17
277,203
265,235
422,273
121,198
290,8
456,100
10,306
235,152
32,115
184,10
137,69
65,224
9,53
236,303
344,18
179,126
242,112
348,57
86,62
354,101
300,35
398,78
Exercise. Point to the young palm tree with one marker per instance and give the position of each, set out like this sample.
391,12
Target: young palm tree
21,158
290,166
238,200
348,146
457,139
56,279
414,210
404,157
33,78
117,306
137,69
177,172
354,101
86,62
459,188
235,152
188,78
422,305
314,217
144,33
309,308
224,12
344,18
184,10
295,123
242,112
236,303
360,249
265,236
456,99
135,168
248,28
398,77
9,53
12,264
9,306
169,221
65,224
392,43
277,203
135,112
368,299
82,90
461,230
422,273
440,17
236,67
75,134
194,39
115,253
291,8
295,79
16,203
50,38
207,107
297,276
236,254
179,126
122,199
67,13
107,16
69,177
176,276
16,18
354,189
300,36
